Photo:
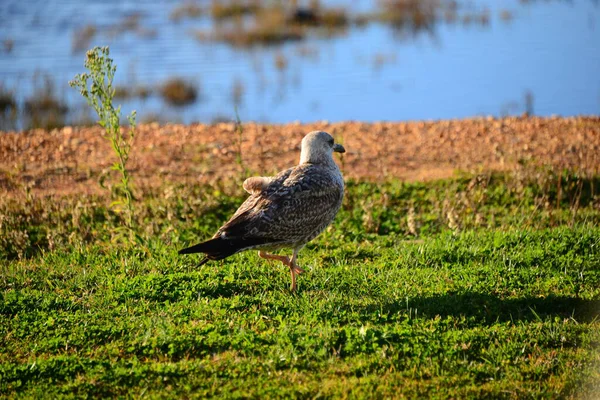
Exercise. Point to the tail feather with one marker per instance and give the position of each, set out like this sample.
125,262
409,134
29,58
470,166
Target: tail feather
220,248
204,261
204,247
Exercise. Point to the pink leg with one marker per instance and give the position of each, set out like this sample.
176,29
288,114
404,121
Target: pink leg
285,260
291,263
294,269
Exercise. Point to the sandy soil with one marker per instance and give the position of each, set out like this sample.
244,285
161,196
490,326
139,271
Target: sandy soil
71,160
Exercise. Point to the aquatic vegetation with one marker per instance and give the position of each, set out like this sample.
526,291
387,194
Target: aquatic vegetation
233,8
185,10
318,16
44,109
9,111
83,37
8,45
7,100
275,23
506,15
178,92
281,61
237,92
268,27
128,92
411,15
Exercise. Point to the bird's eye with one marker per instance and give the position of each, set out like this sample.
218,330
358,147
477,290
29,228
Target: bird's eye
330,141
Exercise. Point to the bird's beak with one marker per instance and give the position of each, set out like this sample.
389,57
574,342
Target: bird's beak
339,148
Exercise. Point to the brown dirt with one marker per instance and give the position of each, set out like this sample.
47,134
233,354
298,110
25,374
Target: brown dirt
71,160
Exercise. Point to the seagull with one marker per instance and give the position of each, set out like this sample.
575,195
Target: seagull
283,211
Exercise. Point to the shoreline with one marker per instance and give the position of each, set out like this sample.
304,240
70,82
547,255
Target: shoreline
71,160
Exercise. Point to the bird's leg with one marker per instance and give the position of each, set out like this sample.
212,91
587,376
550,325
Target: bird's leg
294,269
285,260
293,264
290,262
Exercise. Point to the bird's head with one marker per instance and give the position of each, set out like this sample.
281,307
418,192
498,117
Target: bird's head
318,147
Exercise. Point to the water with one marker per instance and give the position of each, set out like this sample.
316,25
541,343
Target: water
548,51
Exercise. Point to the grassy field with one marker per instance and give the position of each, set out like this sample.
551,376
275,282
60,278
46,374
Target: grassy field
484,286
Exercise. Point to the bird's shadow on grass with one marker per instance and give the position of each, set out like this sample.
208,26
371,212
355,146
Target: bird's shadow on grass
489,309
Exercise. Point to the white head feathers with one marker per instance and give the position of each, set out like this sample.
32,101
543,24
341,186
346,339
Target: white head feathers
318,148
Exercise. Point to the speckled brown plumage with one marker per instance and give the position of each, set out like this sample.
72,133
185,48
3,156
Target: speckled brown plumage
284,211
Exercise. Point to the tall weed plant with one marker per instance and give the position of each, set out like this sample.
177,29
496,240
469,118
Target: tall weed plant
96,86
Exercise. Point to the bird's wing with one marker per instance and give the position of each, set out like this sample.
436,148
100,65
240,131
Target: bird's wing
251,207
256,184
297,202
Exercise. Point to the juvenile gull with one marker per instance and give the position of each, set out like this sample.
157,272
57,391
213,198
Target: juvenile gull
284,211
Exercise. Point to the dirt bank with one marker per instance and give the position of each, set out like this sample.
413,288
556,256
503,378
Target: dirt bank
72,159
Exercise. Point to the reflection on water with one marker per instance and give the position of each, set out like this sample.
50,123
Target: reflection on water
364,60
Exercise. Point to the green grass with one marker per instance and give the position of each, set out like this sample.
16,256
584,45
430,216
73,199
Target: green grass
504,305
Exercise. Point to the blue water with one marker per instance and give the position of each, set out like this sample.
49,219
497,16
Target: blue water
549,50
